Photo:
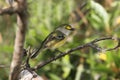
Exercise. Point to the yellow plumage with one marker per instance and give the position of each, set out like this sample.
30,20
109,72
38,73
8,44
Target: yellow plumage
55,39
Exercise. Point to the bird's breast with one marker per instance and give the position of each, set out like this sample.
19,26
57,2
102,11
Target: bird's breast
56,44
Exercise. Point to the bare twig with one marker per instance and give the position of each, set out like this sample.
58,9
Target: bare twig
8,10
90,44
26,72
4,66
18,6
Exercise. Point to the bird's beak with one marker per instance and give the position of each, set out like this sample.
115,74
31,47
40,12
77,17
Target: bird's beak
72,29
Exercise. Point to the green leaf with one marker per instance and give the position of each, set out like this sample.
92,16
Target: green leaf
54,77
66,66
100,11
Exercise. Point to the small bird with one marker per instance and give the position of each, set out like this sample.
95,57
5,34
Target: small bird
55,39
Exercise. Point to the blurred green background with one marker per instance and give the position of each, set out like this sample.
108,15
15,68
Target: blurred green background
98,18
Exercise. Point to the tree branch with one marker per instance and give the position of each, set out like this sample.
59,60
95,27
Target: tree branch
19,7
90,44
8,10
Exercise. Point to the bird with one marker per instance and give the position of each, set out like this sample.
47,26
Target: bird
55,39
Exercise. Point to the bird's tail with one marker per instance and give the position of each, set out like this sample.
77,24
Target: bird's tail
35,53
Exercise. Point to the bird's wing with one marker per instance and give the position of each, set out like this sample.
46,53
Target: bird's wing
49,42
52,38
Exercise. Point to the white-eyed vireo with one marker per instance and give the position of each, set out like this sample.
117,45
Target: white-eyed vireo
55,39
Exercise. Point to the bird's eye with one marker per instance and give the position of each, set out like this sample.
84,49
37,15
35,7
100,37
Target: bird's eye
68,27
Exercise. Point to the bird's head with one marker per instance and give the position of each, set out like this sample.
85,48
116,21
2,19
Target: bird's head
66,29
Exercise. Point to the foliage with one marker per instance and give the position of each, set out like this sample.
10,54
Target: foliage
87,64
